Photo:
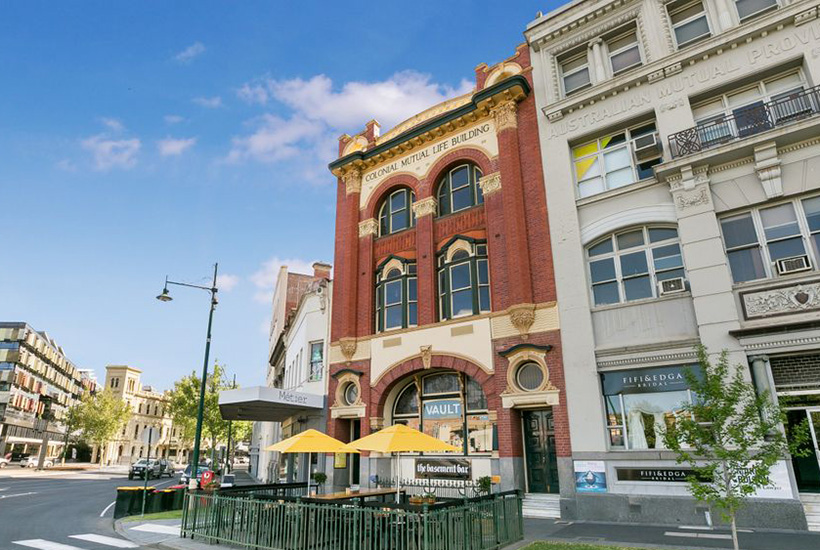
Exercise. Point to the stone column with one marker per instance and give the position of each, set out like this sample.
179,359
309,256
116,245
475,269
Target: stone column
598,71
425,210
368,230
515,228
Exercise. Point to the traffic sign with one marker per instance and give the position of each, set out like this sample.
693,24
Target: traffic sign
150,435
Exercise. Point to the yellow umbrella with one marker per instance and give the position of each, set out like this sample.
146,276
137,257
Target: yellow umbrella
311,441
401,439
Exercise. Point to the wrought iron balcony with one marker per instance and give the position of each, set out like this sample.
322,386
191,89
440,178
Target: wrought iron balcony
746,121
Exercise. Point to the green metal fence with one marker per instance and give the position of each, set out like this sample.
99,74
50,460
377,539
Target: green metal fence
483,523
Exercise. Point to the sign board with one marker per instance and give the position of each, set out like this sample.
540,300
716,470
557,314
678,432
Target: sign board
443,468
442,409
779,484
340,461
590,476
207,477
651,380
150,435
663,475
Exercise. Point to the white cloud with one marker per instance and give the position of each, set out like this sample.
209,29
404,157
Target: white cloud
113,124
173,119
265,277
111,153
253,93
208,102
173,146
66,165
226,283
190,53
276,139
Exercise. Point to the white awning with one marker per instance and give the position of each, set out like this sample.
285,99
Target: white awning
266,404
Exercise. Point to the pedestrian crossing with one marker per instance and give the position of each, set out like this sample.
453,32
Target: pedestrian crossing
89,541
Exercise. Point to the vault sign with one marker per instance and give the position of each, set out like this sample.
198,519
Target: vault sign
442,409
443,468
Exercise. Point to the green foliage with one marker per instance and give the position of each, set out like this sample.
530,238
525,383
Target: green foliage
319,477
729,435
485,484
100,416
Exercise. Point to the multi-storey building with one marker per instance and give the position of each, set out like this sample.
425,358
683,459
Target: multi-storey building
682,166
296,365
444,314
32,366
149,408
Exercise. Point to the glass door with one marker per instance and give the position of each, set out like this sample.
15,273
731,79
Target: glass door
807,468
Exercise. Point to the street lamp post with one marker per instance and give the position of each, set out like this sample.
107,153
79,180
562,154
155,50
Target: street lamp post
166,297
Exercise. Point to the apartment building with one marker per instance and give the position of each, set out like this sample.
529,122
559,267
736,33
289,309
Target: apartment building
682,166
34,366
444,314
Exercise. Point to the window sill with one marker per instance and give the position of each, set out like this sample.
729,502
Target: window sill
643,301
761,284
610,193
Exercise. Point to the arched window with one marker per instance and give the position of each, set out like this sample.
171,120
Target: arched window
459,190
396,212
631,264
463,279
396,295
447,405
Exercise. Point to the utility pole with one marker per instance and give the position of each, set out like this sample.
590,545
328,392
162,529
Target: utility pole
230,426
42,424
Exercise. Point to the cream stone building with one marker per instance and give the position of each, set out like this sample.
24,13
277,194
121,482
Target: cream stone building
682,165
149,408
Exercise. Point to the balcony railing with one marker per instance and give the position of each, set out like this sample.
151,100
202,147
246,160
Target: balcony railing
746,121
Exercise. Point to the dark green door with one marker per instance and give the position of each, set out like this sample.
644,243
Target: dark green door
807,468
539,443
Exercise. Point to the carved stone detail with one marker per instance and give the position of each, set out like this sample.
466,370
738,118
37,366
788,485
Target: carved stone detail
425,207
426,355
767,166
348,347
505,115
368,227
490,183
793,299
690,187
376,423
522,316
353,180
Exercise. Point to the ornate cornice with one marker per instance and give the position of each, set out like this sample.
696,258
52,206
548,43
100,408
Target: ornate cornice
490,183
368,227
353,180
425,207
680,356
505,115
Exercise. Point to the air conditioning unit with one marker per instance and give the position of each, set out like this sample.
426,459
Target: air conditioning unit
672,286
647,147
793,265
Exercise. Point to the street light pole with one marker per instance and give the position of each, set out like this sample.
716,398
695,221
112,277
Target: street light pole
228,465
165,297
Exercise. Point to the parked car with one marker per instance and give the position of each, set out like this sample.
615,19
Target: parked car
166,468
186,475
4,462
32,461
145,467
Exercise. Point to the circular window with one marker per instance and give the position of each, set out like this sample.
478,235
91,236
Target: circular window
529,376
351,393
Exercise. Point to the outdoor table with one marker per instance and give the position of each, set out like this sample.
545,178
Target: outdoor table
360,495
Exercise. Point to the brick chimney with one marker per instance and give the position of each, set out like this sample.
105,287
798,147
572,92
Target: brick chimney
321,270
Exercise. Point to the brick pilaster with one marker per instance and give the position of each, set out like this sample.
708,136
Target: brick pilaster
424,210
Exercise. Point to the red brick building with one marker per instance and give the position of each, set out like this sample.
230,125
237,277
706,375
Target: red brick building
444,313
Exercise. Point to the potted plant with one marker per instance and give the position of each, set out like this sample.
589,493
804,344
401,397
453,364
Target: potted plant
319,478
429,497
416,500
485,485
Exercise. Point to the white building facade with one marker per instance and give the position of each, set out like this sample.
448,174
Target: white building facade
681,148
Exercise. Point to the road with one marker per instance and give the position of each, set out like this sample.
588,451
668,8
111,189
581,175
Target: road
57,508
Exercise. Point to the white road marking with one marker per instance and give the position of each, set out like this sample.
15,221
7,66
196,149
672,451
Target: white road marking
698,535
41,544
157,528
107,508
17,495
108,541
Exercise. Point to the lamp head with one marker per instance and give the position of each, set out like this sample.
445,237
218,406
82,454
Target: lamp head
164,297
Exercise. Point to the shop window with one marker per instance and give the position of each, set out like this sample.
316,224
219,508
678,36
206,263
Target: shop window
636,264
464,279
616,160
396,295
746,9
459,190
396,212
772,241
316,361
641,403
575,74
449,406
689,21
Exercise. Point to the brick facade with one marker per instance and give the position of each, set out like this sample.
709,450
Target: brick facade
796,370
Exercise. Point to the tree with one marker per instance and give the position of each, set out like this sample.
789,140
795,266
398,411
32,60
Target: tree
730,436
71,422
183,406
100,417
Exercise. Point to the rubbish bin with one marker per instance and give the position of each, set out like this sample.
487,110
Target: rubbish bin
136,503
125,495
155,501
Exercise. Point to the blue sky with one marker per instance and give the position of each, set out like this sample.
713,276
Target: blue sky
139,139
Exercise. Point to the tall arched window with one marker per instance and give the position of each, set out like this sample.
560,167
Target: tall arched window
463,278
629,265
459,190
396,212
396,295
447,405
